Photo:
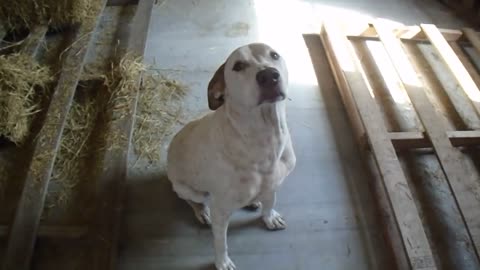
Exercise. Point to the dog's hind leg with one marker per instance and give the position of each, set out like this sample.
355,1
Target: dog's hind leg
196,199
253,206
202,212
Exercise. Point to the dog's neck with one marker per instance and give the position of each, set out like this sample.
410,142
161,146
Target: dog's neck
267,118
260,134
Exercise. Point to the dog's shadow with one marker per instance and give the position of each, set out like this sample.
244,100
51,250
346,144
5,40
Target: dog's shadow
154,212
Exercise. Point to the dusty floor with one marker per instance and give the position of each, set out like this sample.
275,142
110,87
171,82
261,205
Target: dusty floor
328,207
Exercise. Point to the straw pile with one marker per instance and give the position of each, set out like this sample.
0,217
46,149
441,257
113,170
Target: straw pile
22,83
160,107
20,14
73,153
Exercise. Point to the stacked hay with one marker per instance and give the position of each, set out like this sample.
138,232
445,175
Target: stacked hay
56,13
22,83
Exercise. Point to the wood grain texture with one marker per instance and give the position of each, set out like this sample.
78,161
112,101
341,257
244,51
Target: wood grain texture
464,186
415,241
110,193
454,64
23,231
34,40
412,140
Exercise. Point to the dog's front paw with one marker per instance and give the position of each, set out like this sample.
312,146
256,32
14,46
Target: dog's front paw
225,264
274,221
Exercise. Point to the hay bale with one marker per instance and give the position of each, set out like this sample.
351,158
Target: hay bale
21,14
22,83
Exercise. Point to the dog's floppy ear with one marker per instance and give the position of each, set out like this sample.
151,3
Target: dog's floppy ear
216,89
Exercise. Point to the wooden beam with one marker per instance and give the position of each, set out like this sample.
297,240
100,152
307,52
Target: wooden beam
463,185
32,43
407,218
68,232
107,220
412,140
24,229
453,63
410,33
473,37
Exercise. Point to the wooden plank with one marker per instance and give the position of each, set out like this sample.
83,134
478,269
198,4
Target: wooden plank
24,229
68,232
467,63
453,63
463,185
410,33
473,37
32,43
411,140
106,224
415,241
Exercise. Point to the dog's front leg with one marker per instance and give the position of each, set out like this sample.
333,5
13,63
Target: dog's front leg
273,220
220,218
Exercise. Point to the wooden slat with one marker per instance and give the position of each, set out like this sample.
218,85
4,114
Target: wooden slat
411,140
106,224
68,232
463,184
453,63
473,37
32,43
411,33
406,214
24,229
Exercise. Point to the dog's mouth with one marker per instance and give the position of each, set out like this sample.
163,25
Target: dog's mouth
272,95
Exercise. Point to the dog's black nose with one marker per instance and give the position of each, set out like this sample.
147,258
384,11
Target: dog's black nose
268,77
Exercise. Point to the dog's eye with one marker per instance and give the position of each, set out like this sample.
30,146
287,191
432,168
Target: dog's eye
239,66
275,55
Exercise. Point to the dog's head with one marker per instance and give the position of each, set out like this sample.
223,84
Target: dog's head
252,75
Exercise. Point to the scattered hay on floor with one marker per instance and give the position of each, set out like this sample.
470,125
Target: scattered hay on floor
22,84
70,162
56,13
160,107
122,82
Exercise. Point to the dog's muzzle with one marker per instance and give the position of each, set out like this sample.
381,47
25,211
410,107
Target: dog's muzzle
269,81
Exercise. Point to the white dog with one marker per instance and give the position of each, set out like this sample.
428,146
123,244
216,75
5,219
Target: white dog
238,155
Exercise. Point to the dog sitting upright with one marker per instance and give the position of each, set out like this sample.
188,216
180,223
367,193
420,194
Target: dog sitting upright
238,155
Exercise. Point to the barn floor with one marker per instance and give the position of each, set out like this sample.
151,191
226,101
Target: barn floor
332,221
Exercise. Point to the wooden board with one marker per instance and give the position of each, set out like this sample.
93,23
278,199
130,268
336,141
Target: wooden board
462,183
454,64
107,220
343,59
24,229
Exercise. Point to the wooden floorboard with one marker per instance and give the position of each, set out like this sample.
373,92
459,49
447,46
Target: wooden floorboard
407,218
23,231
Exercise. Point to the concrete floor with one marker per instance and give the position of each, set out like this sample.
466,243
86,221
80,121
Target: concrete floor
326,201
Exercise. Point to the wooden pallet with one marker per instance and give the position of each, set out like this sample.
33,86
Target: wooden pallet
374,137
103,231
